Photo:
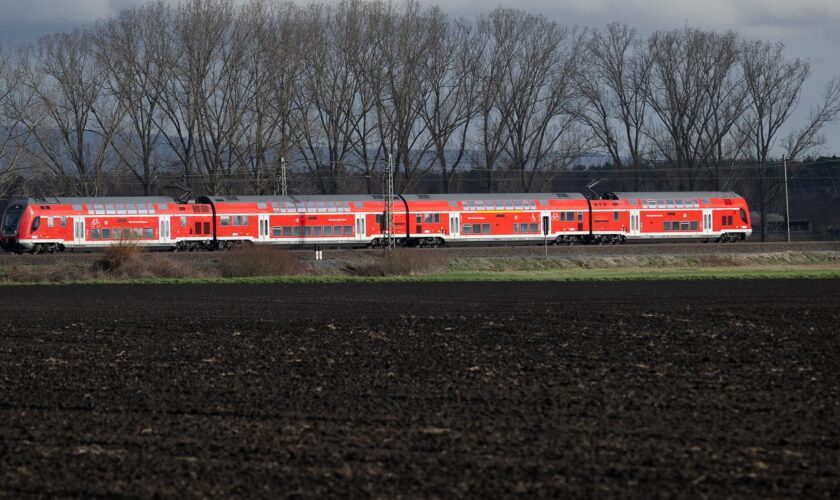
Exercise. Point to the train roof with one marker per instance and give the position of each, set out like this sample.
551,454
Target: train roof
407,197
494,196
674,194
70,200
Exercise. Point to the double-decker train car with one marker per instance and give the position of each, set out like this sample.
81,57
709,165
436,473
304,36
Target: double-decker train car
54,224
213,222
721,216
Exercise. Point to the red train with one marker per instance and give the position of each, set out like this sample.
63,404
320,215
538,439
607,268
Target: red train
54,224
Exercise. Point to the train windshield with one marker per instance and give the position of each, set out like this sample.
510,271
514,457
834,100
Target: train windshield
12,219
743,215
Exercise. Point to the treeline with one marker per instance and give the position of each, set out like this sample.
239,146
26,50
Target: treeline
211,96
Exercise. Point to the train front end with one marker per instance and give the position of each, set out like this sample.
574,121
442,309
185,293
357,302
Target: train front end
15,227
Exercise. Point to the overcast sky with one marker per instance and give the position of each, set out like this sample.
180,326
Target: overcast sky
809,28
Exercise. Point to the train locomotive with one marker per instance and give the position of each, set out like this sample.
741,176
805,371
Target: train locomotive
217,222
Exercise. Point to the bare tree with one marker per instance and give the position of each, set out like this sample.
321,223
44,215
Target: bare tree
697,96
74,118
775,85
406,37
329,94
128,48
615,84
12,132
536,96
451,69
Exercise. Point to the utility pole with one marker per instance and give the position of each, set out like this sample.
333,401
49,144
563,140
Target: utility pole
280,185
388,216
787,199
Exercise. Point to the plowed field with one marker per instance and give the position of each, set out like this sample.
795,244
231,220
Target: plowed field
434,389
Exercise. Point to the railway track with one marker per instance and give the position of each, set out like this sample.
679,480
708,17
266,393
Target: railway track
632,249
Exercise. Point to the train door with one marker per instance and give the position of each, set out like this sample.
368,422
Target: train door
360,227
79,230
546,224
165,235
263,223
634,223
454,225
707,222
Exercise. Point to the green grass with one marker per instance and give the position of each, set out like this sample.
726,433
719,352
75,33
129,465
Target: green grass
577,274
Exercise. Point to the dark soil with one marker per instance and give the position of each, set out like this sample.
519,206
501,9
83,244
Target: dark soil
487,389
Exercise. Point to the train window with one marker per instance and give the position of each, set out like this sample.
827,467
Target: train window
479,205
517,205
131,209
261,205
224,220
348,230
723,219
276,231
526,204
476,228
615,216
106,234
694,225
121,209
666,226
327,230
570,216
437,218
148,233
729,220
644,203
64,221
162,206
115,234
430,218
77,208
287,231
336,230
706,201
317,230
244,220
49,222
580,216
632,203
141,209
183,221
534,228
669,203
544,203
36,222
679,203
419,218
743,215
237,220
684,226
198,227
516,227
110,209
509,204
206,228
466,229
562,216
485,228
307,231
94,234
297,230
660,203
